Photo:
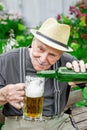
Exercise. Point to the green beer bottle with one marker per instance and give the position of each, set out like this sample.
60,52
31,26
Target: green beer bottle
63,74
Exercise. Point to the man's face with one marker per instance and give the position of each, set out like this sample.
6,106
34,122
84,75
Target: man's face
43,56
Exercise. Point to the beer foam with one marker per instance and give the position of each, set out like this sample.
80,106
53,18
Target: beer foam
34,89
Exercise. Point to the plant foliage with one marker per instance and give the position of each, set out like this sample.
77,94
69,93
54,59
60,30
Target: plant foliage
78,23
13,21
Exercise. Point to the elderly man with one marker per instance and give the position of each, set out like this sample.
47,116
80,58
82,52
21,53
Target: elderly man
47,51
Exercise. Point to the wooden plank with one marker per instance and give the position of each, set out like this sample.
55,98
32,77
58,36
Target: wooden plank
80,117
79,110
82,125
74,97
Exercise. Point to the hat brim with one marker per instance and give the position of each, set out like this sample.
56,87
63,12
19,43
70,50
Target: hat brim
50,43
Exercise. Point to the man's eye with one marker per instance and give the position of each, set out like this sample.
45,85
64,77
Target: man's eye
52,55
41,49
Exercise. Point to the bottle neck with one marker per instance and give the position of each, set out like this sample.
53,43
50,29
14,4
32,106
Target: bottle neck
47,73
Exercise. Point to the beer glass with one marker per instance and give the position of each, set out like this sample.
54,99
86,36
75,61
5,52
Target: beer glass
33,102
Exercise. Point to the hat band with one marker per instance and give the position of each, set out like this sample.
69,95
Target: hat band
50,39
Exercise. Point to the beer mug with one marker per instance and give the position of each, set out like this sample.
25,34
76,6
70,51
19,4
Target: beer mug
33,102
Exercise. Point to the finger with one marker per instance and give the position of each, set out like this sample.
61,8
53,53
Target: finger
21,104
75,66
20,92
17,105
71,83
69,65
82,66
20,86
18,98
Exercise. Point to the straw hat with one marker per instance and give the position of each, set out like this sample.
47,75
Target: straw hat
53,34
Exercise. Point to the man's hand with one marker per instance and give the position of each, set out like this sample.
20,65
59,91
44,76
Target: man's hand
77,67
14,94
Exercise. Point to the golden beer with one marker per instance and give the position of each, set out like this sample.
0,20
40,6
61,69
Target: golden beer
33,107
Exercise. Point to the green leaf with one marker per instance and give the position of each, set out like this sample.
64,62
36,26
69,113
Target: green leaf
20,38
21,27
84,92
75,46
83,22
81,103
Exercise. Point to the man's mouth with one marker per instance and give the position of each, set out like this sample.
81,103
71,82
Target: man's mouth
41,63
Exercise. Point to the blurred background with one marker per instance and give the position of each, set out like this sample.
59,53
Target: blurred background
18,16
35,11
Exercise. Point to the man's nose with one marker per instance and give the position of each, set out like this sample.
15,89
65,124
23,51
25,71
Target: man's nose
43,57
